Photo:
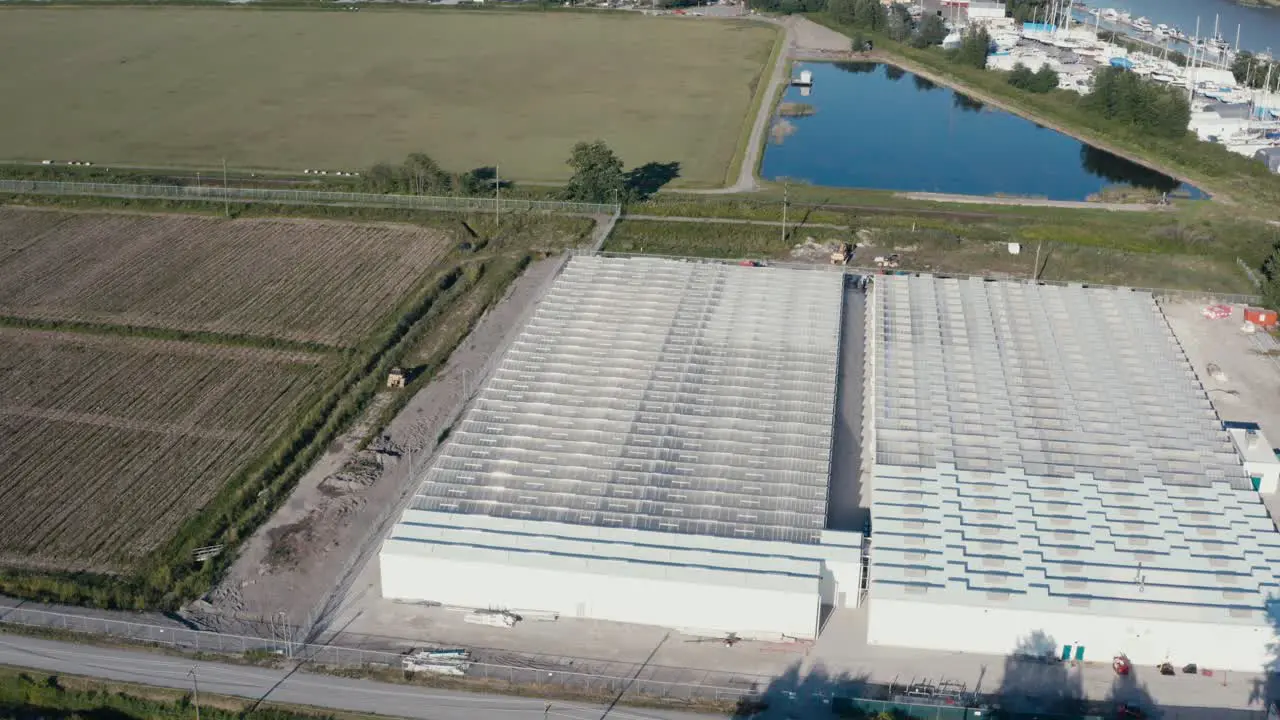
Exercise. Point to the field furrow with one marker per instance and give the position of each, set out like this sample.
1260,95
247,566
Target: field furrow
109,444
282,279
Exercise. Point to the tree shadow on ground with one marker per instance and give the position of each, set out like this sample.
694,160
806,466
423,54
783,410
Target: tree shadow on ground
485,177
796,694
1036,681
1130,700
645,180
1266,689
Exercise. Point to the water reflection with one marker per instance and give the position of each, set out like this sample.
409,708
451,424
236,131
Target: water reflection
1123,171
923,83
966,103
857,68
870,130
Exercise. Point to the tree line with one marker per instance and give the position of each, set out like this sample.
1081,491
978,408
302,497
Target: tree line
1128,99
1255,72
598,176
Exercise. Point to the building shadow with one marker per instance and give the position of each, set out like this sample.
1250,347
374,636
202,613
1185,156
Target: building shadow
643,181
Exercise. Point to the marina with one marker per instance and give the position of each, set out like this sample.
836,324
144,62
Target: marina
1075,40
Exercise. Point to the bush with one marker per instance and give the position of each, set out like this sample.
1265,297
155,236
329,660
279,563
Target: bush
1042,81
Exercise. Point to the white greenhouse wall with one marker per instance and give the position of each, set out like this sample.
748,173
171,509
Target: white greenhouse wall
935,626
690,606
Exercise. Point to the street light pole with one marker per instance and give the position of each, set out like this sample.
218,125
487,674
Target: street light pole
195,690
226,200
497,197
786,189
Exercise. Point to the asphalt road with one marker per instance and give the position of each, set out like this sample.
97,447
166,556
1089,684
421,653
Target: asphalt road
301,688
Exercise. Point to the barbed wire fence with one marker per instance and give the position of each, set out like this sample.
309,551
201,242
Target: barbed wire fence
212,193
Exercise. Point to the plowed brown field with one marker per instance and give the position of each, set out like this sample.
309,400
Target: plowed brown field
309,281
110,443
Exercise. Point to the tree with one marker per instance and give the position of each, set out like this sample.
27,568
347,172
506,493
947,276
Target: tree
1045,80
932,32
597,174
870,15
381,178
424,176
1040,81
898,22
861,14
1024,10
1127,99
1271,280
974,48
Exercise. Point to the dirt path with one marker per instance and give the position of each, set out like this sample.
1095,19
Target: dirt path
302,560
733,221
1032,202
746,181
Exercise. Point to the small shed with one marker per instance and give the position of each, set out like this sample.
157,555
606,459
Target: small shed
395,378
1260,461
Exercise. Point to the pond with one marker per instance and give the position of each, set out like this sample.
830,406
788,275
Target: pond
876,126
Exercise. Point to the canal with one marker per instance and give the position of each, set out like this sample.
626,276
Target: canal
876,126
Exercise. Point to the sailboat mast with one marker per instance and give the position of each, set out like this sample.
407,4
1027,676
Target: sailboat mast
1191,71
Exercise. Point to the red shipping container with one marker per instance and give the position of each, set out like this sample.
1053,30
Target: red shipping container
1261,316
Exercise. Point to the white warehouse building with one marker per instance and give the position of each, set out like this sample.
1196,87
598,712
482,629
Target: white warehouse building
1046,463
654,447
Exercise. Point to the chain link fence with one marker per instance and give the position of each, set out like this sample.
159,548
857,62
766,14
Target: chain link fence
495,670
568,674
206,193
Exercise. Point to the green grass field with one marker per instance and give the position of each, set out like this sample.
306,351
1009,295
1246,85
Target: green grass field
291,90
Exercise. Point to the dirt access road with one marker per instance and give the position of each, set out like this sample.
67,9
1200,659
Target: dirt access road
305,556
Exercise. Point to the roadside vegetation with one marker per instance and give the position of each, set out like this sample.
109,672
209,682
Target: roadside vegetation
1189,250
34,695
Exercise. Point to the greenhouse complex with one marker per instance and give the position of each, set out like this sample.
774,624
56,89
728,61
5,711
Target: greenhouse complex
681,443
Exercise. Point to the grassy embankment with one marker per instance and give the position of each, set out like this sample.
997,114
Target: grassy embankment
1194,247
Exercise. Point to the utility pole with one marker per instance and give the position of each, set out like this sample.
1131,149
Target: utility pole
226,199
1035,270
497,198
786,189
195,690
